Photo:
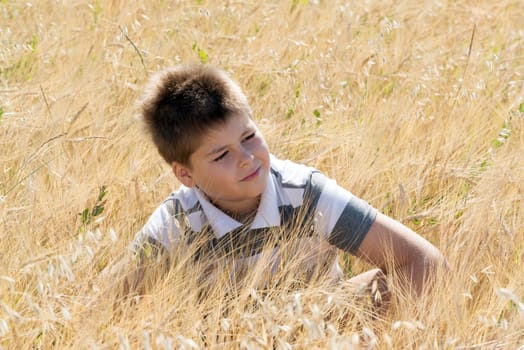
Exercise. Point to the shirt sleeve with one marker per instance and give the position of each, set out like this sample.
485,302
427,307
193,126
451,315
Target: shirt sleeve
344,218
162,227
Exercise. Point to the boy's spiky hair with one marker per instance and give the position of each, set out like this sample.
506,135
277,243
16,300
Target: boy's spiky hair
182,103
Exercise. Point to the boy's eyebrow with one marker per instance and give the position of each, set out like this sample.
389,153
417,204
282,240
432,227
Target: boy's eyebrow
215,150
221,148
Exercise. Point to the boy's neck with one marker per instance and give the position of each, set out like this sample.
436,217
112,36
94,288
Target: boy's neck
244,218
244,215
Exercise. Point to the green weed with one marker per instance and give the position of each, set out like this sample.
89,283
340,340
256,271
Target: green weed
318,118
202,55
503,135
296,3
96,10
89,214
291,110
35,39
264,84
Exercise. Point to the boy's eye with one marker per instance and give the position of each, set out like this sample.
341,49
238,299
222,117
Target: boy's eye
221,156
250,136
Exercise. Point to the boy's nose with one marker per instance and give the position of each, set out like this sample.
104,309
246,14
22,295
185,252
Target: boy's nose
245,158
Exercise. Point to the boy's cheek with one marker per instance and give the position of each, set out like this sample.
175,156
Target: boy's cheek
215,179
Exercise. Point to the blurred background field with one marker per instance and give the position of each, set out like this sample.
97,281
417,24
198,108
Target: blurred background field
416,107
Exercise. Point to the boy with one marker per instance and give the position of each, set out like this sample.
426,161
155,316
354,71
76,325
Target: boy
235,196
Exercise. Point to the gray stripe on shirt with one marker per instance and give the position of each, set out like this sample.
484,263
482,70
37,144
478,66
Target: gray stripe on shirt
353,225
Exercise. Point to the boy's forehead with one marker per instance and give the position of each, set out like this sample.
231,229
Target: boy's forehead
231,126
217,136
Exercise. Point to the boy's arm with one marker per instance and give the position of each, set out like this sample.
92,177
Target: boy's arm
391,245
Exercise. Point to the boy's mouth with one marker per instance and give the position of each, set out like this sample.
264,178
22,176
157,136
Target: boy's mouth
252,175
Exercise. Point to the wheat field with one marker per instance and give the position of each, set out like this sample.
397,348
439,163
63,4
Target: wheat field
416,107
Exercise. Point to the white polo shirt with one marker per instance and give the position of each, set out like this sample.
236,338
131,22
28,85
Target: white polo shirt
297,200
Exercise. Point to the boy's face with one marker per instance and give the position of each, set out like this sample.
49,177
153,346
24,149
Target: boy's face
230,166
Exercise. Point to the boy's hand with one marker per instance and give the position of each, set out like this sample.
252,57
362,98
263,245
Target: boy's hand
391,245
374,284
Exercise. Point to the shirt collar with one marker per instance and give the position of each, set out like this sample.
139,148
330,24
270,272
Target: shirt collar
219,221
267,214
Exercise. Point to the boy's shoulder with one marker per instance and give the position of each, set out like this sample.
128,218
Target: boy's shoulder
183,200
185,195
291,174
164,223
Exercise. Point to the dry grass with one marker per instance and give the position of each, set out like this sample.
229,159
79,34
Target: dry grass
419,110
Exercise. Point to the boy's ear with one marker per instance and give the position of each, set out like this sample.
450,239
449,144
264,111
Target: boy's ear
183,174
